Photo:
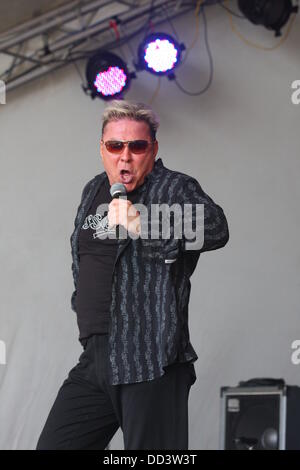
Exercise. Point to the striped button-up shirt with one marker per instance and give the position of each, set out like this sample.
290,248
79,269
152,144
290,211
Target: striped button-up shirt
148,327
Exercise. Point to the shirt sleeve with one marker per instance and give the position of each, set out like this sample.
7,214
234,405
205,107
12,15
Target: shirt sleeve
74,273
197,224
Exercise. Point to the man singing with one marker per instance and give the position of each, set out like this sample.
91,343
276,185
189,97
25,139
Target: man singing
131,295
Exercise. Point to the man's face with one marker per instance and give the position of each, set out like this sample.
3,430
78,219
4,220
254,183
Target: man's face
126,167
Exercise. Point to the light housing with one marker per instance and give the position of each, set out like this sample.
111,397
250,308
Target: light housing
107,75
159,53
272,14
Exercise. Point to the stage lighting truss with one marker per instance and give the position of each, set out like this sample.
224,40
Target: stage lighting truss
75,31
159,54
107,76
272,14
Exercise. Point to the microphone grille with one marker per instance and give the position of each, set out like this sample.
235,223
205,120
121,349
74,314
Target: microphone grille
117,190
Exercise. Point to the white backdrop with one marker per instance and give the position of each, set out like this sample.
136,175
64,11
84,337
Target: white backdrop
240,140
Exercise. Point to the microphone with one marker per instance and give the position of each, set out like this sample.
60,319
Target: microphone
117,190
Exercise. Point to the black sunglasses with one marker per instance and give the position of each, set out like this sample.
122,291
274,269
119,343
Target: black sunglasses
135,146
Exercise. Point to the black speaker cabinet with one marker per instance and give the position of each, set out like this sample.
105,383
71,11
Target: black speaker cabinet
260,414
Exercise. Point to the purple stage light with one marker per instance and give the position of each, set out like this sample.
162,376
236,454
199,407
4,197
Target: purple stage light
159,53
111,81
107,76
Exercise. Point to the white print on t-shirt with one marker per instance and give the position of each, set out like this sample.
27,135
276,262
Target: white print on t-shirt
99,223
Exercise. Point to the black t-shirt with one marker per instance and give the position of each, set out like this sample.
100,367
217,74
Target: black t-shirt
97,254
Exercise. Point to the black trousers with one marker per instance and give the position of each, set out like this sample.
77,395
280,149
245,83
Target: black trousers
88,411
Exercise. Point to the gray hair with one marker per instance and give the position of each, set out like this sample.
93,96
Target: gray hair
121,109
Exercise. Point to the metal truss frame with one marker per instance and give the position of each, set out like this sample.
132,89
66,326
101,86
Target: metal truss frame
76,30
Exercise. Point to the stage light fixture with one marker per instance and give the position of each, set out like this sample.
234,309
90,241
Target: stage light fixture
272,14
107,76
159,54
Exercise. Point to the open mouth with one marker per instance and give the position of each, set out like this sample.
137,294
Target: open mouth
126,176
